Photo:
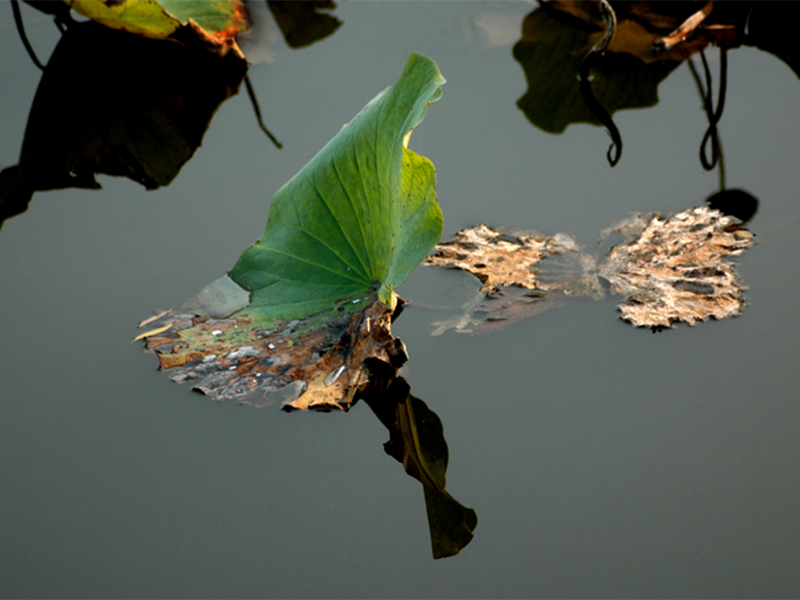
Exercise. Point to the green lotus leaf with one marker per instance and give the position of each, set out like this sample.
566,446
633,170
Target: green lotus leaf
159,20
358,218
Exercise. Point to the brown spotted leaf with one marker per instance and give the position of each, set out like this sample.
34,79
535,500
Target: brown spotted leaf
316,362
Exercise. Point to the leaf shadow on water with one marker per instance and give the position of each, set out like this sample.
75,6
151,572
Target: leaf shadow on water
132,92
304,23
416,440
583,60
137,109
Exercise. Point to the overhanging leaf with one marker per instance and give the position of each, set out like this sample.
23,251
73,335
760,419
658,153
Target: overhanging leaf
212,24
359,217
142,17
307,304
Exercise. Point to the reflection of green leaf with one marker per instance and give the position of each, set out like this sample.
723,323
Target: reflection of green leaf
417,441
551,53
358,217
138,109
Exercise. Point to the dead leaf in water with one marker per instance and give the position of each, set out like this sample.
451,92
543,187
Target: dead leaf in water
316,362
523,274
678,268
670,270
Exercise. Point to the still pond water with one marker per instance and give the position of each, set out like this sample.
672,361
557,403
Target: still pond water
602,460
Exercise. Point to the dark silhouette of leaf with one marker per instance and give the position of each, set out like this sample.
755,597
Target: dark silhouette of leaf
551,52
771,27
417,442
302,23
138,109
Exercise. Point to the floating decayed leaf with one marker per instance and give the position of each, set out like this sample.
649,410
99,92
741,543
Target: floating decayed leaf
314,297
314,362
670,270
523,274
677,269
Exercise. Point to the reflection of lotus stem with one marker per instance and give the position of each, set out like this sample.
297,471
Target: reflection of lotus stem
610,19
713,115
592,103
22,36
254,101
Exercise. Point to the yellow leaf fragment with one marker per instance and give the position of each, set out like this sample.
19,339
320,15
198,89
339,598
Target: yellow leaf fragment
155,331
142,17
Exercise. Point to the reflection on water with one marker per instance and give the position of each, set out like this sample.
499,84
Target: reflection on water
138,109
416,440
734,202
303,23
674,454
585,60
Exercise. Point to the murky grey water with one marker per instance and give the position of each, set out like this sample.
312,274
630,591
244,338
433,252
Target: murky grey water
602,460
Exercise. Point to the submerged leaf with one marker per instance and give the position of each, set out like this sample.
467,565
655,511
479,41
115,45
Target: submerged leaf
671,269
314,297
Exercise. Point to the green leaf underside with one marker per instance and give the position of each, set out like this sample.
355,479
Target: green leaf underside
358,217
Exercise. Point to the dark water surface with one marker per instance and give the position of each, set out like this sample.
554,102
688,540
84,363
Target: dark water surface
602,460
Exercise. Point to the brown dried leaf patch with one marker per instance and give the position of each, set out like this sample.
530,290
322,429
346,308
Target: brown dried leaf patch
671,270
317,362
678,269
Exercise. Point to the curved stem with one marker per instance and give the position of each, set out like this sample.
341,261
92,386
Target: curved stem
21,31
254,101
592,103
713,115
